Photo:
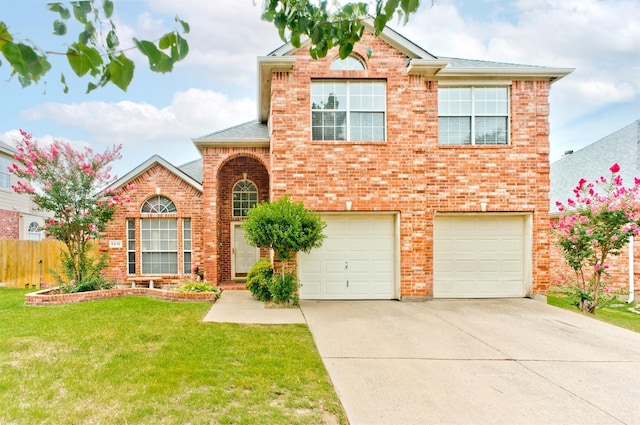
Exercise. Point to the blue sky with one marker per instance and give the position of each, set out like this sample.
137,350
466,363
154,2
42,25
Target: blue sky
215,87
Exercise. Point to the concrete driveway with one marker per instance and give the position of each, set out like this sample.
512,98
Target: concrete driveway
513,361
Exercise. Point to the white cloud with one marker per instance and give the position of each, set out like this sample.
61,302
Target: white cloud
191,113
226,36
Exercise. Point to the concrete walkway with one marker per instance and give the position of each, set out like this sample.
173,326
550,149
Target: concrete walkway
239,306
512,361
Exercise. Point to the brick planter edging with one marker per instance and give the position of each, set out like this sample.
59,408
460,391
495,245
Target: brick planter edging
45,297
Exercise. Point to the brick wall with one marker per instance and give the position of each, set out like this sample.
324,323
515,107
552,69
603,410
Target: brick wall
157,180
618,266
231,172
215,201
9,224
410,172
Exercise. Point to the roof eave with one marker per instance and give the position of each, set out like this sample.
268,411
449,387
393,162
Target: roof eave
266,66
231,143
426,67
551,74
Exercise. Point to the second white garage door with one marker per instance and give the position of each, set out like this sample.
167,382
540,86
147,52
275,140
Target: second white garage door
479,256
356,260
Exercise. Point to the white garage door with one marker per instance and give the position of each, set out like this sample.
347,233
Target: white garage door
356,260
479,256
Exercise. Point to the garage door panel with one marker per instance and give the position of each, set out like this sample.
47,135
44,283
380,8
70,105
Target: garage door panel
358,256
487,258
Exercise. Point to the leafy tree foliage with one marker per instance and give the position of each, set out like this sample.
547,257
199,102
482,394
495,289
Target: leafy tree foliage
96,52
329,24
598,223
69,184
285,227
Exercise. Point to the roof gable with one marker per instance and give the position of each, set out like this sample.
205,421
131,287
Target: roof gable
148,164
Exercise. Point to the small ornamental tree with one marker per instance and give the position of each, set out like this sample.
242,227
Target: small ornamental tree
287,228
597,224
69,184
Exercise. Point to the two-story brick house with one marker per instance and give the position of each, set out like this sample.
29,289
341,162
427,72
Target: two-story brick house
432,175
20,218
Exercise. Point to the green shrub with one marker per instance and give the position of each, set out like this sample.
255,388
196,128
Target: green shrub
258,280
282,287
93,278
198,286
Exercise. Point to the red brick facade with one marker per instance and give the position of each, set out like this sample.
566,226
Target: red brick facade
157,180
409,174
618,269
9,224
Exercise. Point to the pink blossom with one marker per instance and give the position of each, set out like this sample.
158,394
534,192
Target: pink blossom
589,232
615,168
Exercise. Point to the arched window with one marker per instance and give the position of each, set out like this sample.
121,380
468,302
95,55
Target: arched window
34,232
245,197
158,205
350,63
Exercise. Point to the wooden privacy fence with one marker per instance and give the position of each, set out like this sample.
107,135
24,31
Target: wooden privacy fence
27,263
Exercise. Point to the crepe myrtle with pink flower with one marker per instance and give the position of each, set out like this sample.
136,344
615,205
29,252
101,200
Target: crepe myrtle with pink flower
70,184
597,223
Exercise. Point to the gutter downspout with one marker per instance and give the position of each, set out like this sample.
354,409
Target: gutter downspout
631,272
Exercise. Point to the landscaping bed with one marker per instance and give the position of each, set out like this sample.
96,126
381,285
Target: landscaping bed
53,296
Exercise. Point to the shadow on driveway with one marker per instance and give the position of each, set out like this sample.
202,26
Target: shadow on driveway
509,361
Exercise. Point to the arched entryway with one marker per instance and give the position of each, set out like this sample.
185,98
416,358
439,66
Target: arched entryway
243,181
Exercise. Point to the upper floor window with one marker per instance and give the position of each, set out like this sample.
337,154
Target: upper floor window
348,110
473,115
158,205
5,177
350,63
245,197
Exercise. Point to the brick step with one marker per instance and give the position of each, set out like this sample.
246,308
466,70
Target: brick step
233,286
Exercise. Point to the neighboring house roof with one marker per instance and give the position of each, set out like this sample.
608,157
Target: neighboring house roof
7,149
595,160
157,159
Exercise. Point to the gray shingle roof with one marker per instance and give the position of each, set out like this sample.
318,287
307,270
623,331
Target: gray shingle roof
475,63
193,169
593,161
252,130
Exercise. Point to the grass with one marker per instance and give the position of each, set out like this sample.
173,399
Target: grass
618,314
139,361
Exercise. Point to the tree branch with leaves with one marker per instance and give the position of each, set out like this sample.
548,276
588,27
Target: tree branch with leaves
97,52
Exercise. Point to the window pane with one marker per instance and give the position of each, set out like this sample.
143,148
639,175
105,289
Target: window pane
367,126
329,95
350,63
159,244
328,125
331,113
454,101
454,131
491,100
491,131
5,177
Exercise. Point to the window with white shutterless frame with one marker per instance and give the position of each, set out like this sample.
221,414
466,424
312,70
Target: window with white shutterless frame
473,115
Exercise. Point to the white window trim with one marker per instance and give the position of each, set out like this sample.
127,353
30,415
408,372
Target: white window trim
473,116
233,192
348,111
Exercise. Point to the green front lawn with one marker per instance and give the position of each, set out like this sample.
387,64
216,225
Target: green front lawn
144,361
619,314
